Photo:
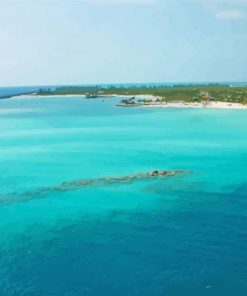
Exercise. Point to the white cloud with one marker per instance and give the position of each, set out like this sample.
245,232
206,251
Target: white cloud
231,14
225,9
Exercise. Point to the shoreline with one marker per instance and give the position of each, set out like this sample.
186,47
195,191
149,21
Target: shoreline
211,105
152,104
34,96
182,104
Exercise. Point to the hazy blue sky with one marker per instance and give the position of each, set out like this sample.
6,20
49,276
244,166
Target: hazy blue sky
96,41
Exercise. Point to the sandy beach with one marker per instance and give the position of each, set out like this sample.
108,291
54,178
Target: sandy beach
181,104
211,105
172,104
34,96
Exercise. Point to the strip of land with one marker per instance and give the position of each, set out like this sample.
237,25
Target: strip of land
190,96
15,95
217,96
158,103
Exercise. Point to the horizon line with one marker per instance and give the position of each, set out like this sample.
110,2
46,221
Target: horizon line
127,83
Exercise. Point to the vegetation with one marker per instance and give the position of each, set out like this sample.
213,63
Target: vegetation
187,93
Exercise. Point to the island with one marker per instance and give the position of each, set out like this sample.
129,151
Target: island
212,95
192,95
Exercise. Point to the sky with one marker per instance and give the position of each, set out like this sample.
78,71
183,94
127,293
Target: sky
51,42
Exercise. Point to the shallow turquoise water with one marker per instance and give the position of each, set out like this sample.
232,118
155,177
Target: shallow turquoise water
185,235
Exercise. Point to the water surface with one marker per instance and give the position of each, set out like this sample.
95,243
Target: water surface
185,235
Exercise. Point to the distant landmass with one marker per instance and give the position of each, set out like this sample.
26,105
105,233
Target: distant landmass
166,93
235,92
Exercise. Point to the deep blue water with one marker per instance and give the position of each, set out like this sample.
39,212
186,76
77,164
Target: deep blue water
184,235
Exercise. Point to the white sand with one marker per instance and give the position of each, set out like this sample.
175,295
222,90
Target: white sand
211,105
45,97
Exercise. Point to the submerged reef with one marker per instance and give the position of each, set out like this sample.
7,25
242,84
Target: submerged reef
112,180
103,181
77,184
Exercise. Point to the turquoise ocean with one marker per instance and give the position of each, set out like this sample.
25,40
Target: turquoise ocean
183,235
